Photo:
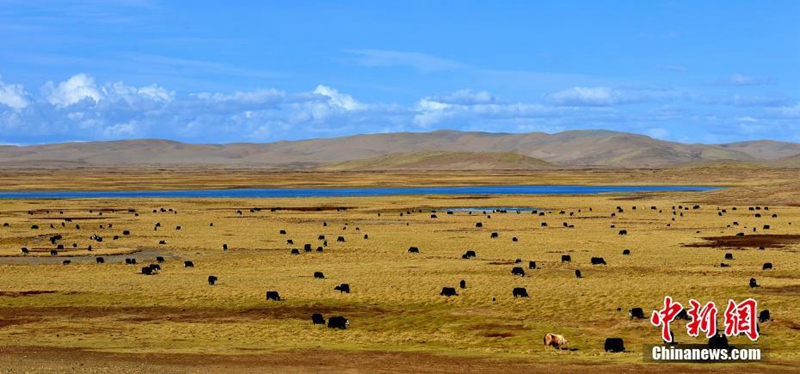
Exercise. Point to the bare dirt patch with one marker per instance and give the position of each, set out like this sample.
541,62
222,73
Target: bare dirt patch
754,241
172,314
793,290
23,293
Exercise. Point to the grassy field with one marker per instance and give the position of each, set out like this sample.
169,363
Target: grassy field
398,320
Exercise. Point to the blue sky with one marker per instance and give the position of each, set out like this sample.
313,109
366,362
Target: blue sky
213,72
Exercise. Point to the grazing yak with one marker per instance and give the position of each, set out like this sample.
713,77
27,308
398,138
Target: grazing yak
578,274
682,315
531,264
100,260
494,235
66,262
623,232
469,254
519,292
317,319
718,341
130,261
188,264
25,251
295,252
462,284
160,259
338,322
764,316
729,256
636,313
556,341
319,275
273,295
566,258
283,232
448,291
518,271
147,270
614,345
342,288
224,247
724,265
340,239
212,280
598,261
307,247
413,250
626,252
479,224
767,266
162,242
753,283
289,242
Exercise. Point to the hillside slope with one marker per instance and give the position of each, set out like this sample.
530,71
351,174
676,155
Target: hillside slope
586,148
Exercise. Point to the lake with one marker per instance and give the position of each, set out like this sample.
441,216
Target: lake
350,192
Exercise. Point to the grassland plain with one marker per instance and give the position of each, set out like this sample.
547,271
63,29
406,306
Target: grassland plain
110,318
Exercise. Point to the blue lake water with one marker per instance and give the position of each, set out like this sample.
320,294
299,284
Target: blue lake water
348,192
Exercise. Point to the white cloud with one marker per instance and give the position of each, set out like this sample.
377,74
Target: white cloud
338,99
590,96
739,79
790,111
82,108
466,106
132,95
419,61
71,91
83,87
657,133
253,97
466,97
752,128
13,96
120,130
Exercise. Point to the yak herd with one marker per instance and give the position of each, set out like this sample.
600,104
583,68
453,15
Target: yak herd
613,344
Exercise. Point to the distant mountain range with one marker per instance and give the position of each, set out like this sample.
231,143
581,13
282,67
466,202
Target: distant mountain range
439,150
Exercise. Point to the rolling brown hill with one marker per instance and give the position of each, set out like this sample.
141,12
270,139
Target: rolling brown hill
444,161
791,162
589,148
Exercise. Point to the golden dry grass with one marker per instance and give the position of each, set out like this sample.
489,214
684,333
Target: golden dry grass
395,304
